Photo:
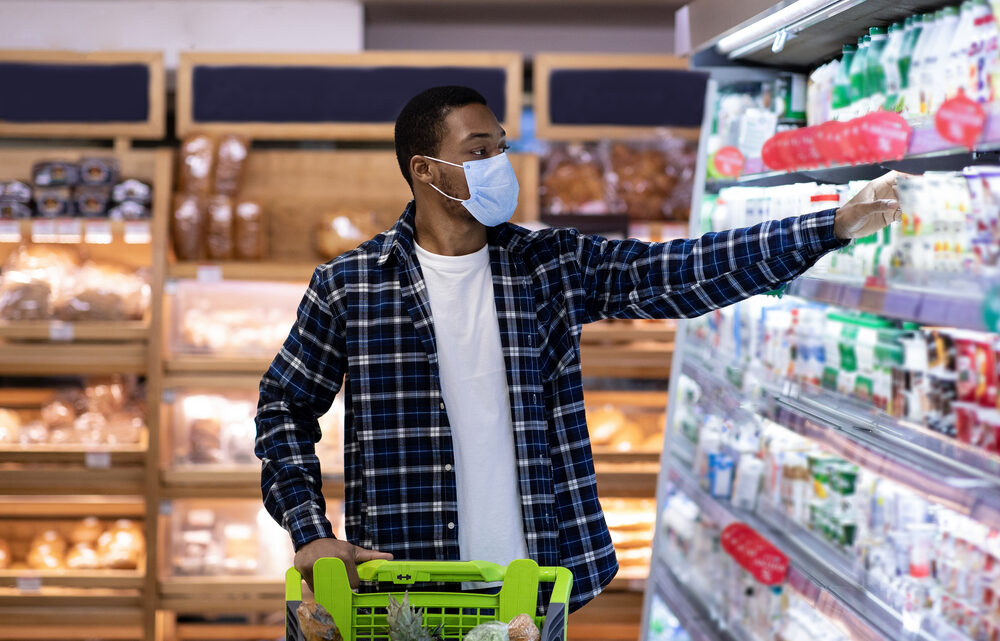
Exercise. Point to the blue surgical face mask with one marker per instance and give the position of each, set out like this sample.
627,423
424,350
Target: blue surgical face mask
492,188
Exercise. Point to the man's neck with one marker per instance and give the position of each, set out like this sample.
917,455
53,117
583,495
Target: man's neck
445,234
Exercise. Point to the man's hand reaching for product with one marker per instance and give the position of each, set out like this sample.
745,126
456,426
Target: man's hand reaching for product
874,207
351,555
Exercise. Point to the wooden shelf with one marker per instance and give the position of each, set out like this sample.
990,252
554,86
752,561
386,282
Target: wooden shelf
49,359
52,507
625,332
181,381
647,361
86,331
89,456
70,597
628,480
227,631
78,579
23,623
222,594
139,230
55,479
244,270
606,455
228,481
216,365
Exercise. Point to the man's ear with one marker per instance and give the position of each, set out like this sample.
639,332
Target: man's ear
420,169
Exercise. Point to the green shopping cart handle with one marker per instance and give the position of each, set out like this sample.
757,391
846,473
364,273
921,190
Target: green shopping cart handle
409,572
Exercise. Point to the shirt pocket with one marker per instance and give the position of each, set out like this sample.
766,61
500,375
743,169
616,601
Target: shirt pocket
558,347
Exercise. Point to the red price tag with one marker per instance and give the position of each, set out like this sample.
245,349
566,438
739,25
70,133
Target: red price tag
755,554
769,154
828,142
729,161
887,135
961,120
785,152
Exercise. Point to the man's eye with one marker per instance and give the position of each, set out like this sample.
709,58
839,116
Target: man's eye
479,152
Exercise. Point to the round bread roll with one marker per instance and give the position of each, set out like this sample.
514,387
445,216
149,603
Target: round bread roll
122,546
91,427
58,413
87,531
51,539
82,557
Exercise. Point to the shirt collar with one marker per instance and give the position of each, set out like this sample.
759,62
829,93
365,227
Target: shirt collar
399,239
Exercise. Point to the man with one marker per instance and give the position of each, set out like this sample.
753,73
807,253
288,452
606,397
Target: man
458,336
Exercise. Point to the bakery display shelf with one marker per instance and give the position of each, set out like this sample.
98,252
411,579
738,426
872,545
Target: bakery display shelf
227,481
688,607
52,507
216,365
60,597
266,270
226,631
190,594
49,359
956,304
18,623
90,456
58,331
207,381
623,332
79,579
820,578
630,579
73,231
58,479
627,480
637,360
612,456
876,442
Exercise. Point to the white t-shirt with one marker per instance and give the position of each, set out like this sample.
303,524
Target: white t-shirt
474,386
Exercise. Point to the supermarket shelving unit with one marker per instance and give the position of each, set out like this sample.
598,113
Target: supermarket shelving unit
59,483
941,469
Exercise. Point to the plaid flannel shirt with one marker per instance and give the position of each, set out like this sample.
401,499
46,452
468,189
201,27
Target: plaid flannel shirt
366,317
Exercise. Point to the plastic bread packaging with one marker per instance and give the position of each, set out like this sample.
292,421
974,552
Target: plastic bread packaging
573,182
248,231
187,223
230,160
197,157
98,171
219,228
55,173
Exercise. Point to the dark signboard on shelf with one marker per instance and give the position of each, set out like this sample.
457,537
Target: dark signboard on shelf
332,96
74,95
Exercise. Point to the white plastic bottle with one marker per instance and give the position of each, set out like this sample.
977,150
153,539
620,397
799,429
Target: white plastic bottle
915,92
936,69
954,73
890,66
984,53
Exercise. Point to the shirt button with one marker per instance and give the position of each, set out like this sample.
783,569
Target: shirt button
451,526
441,405
447,467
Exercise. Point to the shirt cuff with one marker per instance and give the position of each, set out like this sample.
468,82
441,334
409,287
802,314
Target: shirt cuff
818,234
306,523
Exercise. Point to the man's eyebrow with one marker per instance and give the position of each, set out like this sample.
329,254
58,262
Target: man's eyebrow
503,134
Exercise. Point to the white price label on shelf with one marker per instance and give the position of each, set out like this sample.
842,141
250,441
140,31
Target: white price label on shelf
29,583
43,230
169,396
209,273
166,507
97,232
137,232
10,231
60,331
98,460
69,230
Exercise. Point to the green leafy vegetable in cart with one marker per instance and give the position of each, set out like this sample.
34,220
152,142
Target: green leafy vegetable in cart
491,631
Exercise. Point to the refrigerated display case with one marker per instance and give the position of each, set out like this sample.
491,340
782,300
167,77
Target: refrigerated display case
834,418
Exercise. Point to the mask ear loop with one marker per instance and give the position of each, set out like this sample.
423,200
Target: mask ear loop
461,200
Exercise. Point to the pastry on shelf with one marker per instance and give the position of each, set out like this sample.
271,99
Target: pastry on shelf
342,230
47,551
240,549
122,546
58,413
87,531
206,440
5,558
82,556
604,422
10,427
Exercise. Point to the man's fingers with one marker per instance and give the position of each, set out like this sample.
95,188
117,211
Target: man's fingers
361,555
881,205
352,575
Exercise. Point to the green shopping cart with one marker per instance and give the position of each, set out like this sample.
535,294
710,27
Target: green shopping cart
362,617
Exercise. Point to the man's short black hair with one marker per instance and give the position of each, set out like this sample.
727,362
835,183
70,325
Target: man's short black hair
420,125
